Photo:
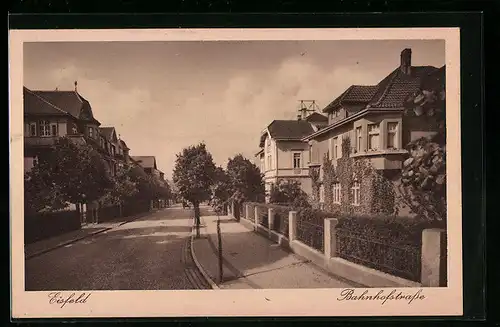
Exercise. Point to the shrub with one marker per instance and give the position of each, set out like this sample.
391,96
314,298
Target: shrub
314,216
49,224
387,229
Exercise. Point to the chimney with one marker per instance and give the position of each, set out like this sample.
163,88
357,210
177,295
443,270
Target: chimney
406,61
76,84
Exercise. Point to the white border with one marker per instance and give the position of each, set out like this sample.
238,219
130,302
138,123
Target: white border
284,302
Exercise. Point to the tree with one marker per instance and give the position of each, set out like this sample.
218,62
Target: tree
221,191
123,187
194,175
423,179
70,172
247,182
289,192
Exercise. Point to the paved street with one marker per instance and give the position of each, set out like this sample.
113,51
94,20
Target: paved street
151,253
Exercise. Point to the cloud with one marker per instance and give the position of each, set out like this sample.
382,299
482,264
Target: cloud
163,97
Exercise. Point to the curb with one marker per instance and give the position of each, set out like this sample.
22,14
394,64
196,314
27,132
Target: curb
209,280
60,245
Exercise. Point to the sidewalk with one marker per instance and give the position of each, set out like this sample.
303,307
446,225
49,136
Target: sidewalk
49,244
252,261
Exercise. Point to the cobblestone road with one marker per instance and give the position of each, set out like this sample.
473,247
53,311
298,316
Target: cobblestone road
151,253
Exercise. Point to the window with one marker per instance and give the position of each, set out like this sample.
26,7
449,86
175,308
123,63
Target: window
336,193
113,150
359,139
91,132
44,128
269,162
53,129
296,160
32,130
268,145
335,147
321,194
355,192
373,136
392,132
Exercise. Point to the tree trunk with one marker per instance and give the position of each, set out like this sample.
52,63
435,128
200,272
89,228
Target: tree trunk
219,241
79,211
196,206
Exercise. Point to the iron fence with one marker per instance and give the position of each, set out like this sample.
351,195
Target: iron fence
399,260
262,215
251,208
311,234
280,221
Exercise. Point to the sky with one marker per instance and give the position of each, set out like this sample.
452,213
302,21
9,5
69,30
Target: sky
164,96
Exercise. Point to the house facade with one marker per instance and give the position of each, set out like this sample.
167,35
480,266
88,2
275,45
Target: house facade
367,125
49,115
283,155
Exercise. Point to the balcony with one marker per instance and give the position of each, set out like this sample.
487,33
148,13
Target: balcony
48,141
383,159
293,172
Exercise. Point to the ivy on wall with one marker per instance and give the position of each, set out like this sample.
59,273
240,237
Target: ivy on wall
314,173
377,193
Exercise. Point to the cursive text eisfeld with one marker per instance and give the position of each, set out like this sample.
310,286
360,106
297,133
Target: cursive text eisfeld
350,294
72,298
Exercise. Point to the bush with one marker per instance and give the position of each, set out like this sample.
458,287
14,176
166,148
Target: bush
45,225
387,229
314,216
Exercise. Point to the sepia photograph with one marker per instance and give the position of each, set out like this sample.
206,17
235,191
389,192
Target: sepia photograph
216,165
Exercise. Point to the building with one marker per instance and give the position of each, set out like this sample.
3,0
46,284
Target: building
283,154
371,118
49,115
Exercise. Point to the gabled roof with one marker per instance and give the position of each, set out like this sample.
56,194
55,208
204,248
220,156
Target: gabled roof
145,161
124,145
391,92
317,118
70,102
289,130
394,89
33,104
355,94
109,133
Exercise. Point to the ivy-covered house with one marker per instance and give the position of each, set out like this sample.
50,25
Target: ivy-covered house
283,153
356,161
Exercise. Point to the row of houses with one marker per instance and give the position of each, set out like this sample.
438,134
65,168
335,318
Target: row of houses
370,117
49,115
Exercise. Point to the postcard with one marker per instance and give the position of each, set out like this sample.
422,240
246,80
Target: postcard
235,172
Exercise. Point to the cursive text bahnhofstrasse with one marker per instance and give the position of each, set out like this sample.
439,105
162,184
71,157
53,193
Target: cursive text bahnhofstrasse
350,294
72,298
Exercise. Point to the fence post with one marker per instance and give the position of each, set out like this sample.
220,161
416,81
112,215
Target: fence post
270,219
432,249
256,215
330,238
247,211
292,226
232,209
